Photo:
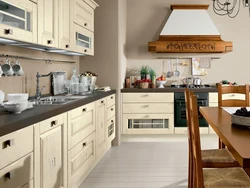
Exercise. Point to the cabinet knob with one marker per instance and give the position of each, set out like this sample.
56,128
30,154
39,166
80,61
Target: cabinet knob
8,143
102,102
49,41
84,110
67,45
53,123
112,109
8,31
85,24
84,144
10,175
112,121
85,50
111,97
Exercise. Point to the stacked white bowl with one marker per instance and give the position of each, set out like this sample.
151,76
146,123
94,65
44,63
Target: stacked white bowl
17,102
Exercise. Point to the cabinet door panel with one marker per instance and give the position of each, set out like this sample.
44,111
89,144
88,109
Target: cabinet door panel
48,22
100,124
51,158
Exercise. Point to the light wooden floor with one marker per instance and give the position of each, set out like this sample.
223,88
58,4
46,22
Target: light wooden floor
145,164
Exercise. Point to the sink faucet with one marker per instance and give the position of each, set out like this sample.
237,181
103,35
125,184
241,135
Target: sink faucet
38,91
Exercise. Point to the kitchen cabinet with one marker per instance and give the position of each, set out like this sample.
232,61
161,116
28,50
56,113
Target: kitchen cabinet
16,153
148,113
65,25
213,102
48,18
110,108
51,152
18,20
101,118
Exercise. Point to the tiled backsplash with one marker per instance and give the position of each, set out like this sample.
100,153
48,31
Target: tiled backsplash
27,82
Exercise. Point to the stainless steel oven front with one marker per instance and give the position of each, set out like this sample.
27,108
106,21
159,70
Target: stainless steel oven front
180,109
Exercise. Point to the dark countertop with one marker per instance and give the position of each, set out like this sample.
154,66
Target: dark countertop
13,122
166,89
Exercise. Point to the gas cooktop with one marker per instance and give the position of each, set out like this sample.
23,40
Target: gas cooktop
191,86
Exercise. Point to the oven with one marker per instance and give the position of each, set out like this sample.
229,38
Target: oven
180,109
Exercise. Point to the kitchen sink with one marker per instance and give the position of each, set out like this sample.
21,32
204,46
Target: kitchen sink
57,100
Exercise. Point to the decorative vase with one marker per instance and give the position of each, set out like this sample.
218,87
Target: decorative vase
153,81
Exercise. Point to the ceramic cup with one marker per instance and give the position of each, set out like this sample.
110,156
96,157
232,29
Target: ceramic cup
7,69
17,68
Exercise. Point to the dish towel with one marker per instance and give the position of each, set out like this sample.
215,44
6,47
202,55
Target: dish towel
205,62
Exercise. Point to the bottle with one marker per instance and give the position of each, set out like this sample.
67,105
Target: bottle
74,82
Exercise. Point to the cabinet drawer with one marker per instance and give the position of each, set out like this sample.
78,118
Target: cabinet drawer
148,108
213,97
148,97
111,129
110,100
15,145
84,15
81,126
110,112
51,123
80,159
101,102
18,173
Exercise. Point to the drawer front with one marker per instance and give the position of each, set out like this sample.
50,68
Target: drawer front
80,159
81,110
111,100
111,129
51,123
84,15
82,126
148,97
148,108
18,173
213,97
110,112
15,145
101,102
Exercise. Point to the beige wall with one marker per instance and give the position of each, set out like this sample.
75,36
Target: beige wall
27,82
146,18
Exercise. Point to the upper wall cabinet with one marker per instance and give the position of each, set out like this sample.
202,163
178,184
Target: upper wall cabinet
65,25
18,20
48,11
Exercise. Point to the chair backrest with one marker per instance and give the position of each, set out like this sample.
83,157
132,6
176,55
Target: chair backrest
196,145
241,89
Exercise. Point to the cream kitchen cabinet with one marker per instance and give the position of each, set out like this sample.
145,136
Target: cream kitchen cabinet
51,152
110,108
65,25
16,153
148,113
48,19
101,118
18,20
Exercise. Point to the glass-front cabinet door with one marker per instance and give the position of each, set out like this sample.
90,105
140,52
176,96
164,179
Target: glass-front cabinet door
83,40
148,123
18,20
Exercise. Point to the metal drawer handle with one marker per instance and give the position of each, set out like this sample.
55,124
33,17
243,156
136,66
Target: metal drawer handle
145,106
8,32
146,95
53,123
8,143
84,110
147,116
10,175
84,144
49,41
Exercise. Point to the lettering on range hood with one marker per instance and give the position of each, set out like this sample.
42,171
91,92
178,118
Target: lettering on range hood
190,29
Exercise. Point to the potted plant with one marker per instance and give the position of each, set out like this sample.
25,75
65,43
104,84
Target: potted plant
144,71
152,77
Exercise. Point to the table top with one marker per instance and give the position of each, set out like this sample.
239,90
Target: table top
236,138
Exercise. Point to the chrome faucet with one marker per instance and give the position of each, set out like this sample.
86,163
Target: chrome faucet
38,91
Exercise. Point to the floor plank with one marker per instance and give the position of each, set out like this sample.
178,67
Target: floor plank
145,164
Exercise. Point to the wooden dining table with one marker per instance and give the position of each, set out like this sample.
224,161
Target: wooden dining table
235,137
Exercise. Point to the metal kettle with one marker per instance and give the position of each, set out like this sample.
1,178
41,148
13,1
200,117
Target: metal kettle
197,81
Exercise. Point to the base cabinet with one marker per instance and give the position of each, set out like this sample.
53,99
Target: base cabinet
50,153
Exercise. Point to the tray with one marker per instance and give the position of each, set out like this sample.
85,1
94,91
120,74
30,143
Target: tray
240,120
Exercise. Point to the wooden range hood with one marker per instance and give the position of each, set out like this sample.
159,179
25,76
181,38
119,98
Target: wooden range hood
189,29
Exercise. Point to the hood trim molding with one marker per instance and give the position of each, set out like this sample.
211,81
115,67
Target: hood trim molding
190,43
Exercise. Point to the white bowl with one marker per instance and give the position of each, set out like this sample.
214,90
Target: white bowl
16,97
240,120
15,107
161,83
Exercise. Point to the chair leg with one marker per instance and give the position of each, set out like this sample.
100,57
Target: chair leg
190,171
221,144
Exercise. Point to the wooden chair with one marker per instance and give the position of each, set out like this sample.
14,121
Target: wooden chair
213,177
213,158
232,101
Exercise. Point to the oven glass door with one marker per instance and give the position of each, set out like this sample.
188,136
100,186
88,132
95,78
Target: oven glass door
180,113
